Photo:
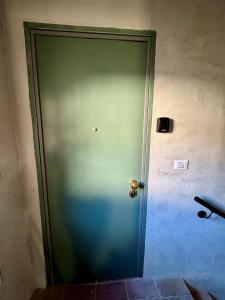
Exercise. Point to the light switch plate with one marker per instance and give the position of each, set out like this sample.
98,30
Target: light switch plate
181,164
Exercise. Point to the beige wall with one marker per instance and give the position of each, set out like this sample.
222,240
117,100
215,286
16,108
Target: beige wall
189,87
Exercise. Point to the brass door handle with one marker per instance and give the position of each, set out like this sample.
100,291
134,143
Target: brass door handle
134,184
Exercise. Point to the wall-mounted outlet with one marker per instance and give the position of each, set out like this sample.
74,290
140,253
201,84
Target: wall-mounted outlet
180,164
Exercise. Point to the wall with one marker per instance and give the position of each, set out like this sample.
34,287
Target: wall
21,254
189,87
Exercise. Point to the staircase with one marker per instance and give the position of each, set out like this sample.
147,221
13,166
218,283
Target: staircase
129,289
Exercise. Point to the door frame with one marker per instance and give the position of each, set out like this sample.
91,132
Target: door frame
30,30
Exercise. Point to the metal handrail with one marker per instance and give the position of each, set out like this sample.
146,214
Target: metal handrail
212,207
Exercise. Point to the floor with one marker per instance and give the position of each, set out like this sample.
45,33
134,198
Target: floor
130,289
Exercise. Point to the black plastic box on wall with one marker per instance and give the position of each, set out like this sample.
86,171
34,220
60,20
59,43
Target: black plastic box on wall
164,125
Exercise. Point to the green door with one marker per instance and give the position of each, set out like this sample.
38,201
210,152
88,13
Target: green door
92,98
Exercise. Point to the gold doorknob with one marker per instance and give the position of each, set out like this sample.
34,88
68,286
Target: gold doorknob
134,184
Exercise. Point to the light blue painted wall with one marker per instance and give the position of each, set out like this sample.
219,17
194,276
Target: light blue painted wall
179,244
189,88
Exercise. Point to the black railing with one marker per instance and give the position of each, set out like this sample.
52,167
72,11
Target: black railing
211,206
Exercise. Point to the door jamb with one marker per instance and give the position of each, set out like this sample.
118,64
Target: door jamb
30,30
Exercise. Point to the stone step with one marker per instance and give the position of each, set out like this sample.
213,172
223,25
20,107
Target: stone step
127,289
173,289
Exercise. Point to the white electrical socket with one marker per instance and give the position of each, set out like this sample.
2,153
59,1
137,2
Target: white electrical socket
180,164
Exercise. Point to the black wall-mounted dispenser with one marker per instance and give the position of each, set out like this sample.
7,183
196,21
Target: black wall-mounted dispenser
164,124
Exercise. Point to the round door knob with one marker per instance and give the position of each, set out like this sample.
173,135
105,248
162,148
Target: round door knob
134,184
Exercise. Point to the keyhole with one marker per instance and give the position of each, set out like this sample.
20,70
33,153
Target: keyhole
132,193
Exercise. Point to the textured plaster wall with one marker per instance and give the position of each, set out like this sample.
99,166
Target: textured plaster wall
189,87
